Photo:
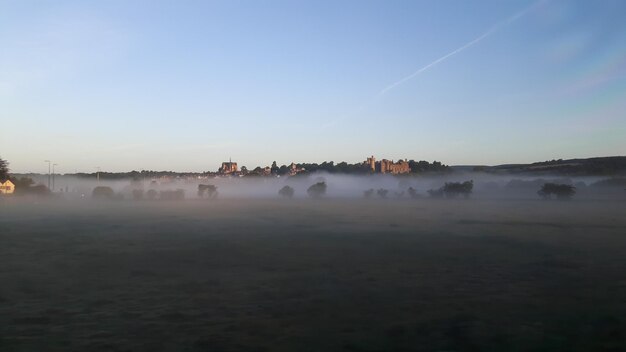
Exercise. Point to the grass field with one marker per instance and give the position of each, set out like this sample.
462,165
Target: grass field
313,275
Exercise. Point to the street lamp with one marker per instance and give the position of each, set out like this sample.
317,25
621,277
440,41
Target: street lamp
48,161
53,165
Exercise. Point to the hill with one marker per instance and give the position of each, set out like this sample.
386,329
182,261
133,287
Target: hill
612,165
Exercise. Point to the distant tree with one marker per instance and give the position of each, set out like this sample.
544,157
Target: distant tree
103,192
368,193
382,193
201,191
284,170
4,169
210,190
453,189
286,192
244,170
412,193
561,191
328,166
26,185
425,166
342,167
23,185
317,190
274,168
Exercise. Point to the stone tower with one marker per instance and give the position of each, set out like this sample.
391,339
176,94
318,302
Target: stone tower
372,163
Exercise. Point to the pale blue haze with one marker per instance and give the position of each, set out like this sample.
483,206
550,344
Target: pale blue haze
184,85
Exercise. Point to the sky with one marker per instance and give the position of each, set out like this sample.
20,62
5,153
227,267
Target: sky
184,85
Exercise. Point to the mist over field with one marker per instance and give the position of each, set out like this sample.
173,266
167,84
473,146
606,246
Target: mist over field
485,186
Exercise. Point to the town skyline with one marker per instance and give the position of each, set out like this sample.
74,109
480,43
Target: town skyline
230,166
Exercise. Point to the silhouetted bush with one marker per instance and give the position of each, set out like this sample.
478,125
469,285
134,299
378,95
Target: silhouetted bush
369,193
210,190
23,182
286,192
317,190
412,193
103,192
561,191
453,189
24,185
382,193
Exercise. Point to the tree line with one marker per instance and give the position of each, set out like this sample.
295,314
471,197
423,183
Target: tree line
343,167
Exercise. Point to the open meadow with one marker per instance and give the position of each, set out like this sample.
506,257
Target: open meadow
313,275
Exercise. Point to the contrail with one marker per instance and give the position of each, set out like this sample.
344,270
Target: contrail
492,30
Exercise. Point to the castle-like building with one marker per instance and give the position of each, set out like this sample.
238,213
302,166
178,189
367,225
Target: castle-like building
228,167
388,166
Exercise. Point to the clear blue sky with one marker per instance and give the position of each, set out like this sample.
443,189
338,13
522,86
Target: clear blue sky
184,85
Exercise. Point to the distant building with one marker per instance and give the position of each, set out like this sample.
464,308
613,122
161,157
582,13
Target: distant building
228,167
388,166
371,163
7,187
294,169
400,167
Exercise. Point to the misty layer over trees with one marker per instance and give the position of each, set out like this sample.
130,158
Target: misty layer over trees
470,185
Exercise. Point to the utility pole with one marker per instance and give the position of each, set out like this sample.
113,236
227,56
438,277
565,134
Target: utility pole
53,165
48,161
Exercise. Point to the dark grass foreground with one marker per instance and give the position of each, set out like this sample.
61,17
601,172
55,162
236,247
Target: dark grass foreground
313,275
